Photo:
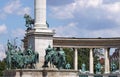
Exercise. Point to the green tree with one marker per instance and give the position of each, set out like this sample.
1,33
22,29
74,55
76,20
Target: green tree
83,57
69,56
2,67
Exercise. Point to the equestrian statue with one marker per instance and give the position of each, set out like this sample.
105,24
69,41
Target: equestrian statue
55,57
18,59
29,21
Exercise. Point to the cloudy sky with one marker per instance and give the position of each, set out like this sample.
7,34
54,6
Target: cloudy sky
70,18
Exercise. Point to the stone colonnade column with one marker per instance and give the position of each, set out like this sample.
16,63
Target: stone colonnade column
91,64
75,59
107,65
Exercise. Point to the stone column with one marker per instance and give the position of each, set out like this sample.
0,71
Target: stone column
91,63
40,14
107,63
40,37
75,59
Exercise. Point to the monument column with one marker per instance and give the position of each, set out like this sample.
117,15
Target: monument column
40,14
75,59
40,36
107,65
91,66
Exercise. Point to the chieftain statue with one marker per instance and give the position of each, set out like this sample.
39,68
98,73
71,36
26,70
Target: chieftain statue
113,67
83,67
55,57
67,66
98,68
20,59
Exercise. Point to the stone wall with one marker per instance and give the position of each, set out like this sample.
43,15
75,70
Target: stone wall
40,73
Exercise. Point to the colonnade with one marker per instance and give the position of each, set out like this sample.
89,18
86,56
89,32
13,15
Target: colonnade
91,60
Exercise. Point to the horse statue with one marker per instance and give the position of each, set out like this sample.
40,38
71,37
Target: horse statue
8,60
8,53
56,58
29,21
20,59
61,59
29,58
48,56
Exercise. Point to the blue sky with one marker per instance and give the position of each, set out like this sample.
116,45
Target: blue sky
70,18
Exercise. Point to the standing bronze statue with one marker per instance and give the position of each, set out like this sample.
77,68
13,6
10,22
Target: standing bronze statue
113,67
98,68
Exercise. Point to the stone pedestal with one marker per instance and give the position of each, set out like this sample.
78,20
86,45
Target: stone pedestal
39,40
41,73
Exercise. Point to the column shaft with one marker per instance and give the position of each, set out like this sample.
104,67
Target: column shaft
91,63
40,13
107,63
75,59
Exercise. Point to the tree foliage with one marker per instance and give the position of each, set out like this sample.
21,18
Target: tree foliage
83,57
2,67
69,56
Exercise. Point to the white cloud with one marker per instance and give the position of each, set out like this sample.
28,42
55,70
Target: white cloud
71,30
88,3
69,10
3,29
62,12
113,8
18,33
94,18
23,11
14,7
2,52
